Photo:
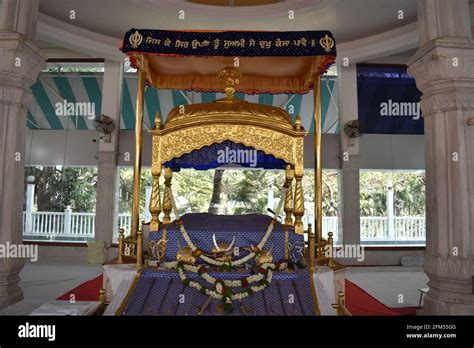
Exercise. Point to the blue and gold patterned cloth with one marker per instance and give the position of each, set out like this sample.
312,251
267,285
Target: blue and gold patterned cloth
161,292
247,229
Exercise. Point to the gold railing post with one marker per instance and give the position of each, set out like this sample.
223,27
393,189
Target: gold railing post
330,245
340,306
318,175
102,296
289,173
120,246
167,196
137,168
140,248
312,248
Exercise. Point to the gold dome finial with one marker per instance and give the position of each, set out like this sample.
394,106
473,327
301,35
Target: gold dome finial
298,122
231,77
157,121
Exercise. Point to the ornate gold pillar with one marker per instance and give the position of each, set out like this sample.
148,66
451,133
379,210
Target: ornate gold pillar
298,210
318,169
167,196
299,200
137,169
155,201
289,173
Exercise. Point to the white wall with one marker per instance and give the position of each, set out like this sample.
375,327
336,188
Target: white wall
392,151
47,147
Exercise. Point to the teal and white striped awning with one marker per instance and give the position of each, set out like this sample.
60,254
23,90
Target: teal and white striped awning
51,89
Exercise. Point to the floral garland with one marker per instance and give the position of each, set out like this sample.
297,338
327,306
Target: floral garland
199,253
243,282
223,288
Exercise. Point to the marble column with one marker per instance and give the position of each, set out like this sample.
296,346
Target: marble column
106,206
444,71
350,203
20,64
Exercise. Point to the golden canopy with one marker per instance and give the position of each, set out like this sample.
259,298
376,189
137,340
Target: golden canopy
263,127
271,62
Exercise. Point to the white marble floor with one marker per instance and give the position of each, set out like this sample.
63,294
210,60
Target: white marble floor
45,281
393,286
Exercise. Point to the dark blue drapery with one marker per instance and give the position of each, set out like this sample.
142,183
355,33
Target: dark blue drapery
210,157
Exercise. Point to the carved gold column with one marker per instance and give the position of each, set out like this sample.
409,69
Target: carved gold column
289,173
298,211
137,168
318,169
155,201
167,196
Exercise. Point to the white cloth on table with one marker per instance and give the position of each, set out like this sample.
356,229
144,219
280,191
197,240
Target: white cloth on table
115,274
324,286
67,308
121,278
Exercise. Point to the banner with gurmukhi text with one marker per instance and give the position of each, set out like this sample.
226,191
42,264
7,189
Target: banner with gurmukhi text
230,43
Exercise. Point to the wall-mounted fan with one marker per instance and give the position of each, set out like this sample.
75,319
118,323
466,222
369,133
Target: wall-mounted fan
354,129
104,124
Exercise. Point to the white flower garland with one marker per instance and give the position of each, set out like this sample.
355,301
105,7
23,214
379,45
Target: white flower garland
219,293
229,283
236,262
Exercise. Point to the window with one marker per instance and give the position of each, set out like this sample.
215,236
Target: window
330,201
392,207
59,203
235,191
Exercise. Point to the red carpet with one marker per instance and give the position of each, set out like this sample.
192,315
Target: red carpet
88,291
358,302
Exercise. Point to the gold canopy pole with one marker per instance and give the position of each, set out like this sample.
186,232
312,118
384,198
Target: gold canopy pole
138,153
318,168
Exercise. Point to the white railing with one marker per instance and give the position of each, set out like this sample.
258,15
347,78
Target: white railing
410,229
125,221
73,226
373,228
64,226
330,224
